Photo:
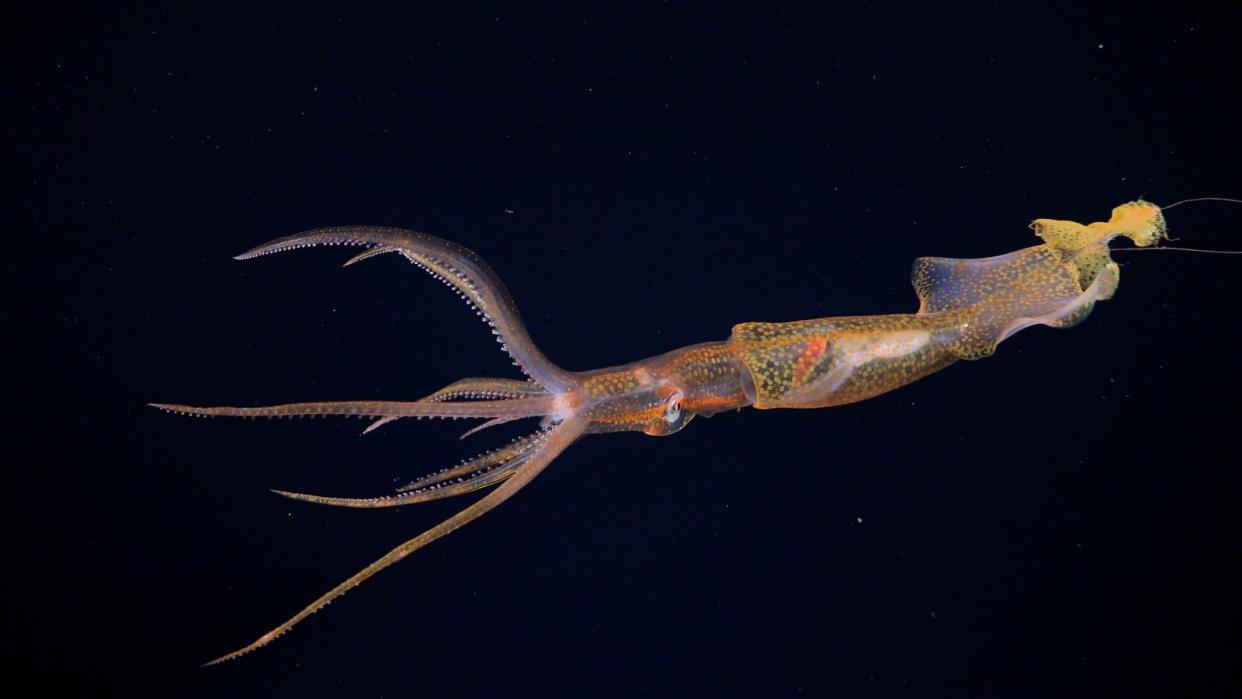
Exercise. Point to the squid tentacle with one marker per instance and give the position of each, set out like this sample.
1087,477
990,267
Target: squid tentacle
474,389
478,479
490,423
486,388
557,440
453,264
517,448
481,471
531,406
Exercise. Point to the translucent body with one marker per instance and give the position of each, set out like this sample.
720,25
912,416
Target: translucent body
967,307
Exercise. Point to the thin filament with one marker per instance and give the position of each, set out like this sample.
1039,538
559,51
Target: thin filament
1179,249
1187,201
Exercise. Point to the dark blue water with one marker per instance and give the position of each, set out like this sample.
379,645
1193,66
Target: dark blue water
1060,519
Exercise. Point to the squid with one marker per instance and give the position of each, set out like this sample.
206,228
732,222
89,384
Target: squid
966,308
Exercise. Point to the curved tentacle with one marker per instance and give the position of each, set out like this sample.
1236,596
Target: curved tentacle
470,475
516,448
457,266
484,388
557,440
482,480
474,389
490,423
517,408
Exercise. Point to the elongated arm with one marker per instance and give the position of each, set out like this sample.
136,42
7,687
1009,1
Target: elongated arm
512,409
556,442
455,265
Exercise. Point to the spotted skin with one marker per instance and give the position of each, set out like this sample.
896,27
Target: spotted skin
967,307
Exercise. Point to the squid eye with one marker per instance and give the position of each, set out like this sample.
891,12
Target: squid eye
672,412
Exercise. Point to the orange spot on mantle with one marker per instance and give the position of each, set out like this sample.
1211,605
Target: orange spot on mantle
810,357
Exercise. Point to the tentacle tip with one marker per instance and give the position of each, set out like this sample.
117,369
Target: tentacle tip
305,497
368,253
379,423
219,660
239,652
178,409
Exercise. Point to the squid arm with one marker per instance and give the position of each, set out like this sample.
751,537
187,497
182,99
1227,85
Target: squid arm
559,438
460,268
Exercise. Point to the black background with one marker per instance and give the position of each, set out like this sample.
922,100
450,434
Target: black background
1060,519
